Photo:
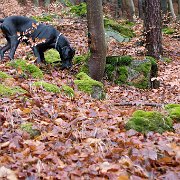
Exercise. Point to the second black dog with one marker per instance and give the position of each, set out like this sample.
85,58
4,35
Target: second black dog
41,37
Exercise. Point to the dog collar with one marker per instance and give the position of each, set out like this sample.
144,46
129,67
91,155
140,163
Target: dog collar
57,40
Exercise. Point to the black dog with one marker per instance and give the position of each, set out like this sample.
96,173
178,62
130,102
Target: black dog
41,37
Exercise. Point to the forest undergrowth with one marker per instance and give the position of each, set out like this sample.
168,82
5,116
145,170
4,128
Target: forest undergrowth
80,137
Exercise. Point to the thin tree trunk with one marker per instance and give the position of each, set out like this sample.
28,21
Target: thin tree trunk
152,27
178,7
96,39
164,6
172,9
141,8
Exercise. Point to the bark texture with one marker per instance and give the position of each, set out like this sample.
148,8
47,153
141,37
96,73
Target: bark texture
152,27
96,39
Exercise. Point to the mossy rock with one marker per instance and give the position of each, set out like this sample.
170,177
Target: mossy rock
125,70
119,60
47,86
9,91
90,86
68,91
27,69
4,75
52,56
28,127
168,30
125,31
110,33
145,121
79,10
174,111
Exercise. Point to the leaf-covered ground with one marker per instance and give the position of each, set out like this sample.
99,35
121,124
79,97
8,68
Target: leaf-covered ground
83,138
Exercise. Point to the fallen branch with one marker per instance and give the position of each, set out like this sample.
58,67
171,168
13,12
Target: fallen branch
138,104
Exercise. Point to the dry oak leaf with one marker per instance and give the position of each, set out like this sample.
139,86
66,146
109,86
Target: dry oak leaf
7,173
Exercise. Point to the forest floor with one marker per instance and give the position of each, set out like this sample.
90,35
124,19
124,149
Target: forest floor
83,138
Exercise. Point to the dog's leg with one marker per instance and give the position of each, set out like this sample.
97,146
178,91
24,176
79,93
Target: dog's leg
37,54
3,50
14,44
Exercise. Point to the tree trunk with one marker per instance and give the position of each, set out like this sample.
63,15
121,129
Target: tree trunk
164,6
141,8
128,9
172,9
96,39
152,27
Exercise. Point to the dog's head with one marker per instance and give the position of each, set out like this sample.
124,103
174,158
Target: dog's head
67,53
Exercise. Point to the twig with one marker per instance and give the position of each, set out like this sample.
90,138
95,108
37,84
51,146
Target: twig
138,104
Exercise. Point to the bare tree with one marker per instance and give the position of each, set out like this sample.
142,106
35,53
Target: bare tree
96,39
152,26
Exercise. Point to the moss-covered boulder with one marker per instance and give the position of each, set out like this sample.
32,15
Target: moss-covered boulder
52,56
26,69
121,28
47,86
4,75
174,111
8,91
145,121
125,70
90,86
110,33
28,128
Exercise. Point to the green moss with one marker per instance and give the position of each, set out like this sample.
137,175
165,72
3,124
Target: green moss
119,60
145,68
8,91
85,83
109,70
52,56
154,67
4,75
143,84
174,111
47,86
168,30
81,59
27,69
44,17
125,31
144,122
80,9
28,127
122,75
68,91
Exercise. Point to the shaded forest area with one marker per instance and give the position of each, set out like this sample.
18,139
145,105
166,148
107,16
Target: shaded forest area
55,125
